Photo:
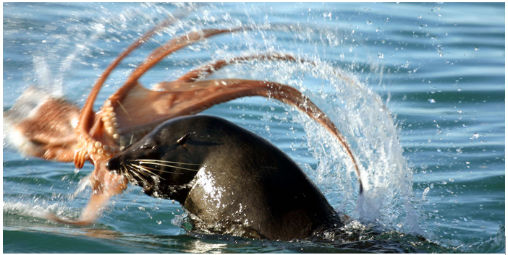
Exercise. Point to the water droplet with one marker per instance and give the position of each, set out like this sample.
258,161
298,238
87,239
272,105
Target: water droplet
425,192
327,15
432,101
380,55
476,48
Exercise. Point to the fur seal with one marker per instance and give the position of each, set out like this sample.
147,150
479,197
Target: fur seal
229,179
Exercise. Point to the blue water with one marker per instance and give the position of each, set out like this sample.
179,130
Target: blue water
423,107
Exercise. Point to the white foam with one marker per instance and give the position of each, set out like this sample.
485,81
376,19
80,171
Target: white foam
28,209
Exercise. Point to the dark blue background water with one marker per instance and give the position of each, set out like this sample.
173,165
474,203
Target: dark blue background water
434,158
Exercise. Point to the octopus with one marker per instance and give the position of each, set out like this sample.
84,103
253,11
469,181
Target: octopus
59,130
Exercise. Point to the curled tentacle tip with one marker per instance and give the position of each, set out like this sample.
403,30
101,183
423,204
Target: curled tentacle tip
52,217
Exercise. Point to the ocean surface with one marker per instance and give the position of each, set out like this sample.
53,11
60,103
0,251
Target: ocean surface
417,89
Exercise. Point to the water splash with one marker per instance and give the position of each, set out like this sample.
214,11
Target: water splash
19,208
364,120
357,111
369,129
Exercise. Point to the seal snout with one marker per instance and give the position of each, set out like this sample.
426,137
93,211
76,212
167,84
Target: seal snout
113,164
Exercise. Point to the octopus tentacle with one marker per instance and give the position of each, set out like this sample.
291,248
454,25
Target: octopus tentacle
210,68
290,96
97,202
104,185
161,52
89,214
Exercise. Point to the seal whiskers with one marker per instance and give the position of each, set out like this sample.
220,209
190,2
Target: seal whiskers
145,170
141,162
165,161
156,163
137,173
125,172
139,170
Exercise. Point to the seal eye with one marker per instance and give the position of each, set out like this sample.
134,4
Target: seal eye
183,139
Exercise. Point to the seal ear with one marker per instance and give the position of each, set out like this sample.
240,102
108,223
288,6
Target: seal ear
183,139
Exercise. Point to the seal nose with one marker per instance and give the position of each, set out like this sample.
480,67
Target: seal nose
113,164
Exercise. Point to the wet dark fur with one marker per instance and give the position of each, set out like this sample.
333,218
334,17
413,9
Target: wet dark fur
229,179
